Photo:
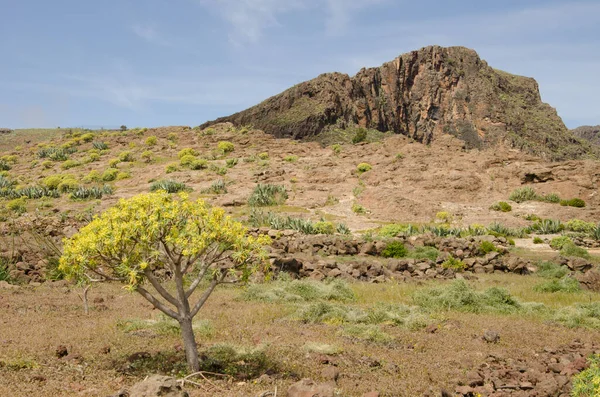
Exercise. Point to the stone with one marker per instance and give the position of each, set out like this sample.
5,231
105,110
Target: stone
309,388
491,336
330,373
158,386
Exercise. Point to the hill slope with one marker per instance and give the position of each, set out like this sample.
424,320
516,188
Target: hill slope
422,94
589,133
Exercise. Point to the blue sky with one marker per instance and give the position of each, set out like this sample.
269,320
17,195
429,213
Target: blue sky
182,62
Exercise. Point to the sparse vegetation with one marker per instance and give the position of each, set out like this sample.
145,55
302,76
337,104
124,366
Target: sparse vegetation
394,249
575,202
265,195
363,167
523,194
501,206
169,186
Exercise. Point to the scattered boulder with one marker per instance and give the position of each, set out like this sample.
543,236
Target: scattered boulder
309,388
158,385
491,336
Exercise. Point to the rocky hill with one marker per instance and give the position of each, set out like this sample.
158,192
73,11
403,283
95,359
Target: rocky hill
589,133
422,94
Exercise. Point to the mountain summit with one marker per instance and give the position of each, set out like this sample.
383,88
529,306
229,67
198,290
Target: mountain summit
422,94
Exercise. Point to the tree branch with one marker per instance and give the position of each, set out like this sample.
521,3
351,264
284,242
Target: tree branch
157,304
206,294
160,289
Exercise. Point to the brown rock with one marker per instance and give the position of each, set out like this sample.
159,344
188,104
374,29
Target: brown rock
158,385
308,388
330,373
491,336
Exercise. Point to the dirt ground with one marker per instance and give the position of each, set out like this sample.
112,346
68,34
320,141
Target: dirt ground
37,321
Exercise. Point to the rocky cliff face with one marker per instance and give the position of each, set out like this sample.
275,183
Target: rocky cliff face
588,133
422,94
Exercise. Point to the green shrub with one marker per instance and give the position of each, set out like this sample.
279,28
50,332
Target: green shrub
126,156
217,187
324,227
172,137
93,176
523,194
225,147
4,166
547,226
70,164
265,195
100,145
67,185
151,140
198,164
548,269
587,382
501,206
291,158
171,168
430,253
461,297
394,249
359,136
305,290
486,247
454,263
230,163
4,269
337,148
577,225
187,160
358,209
148,156
363,167
571,249
551,198
538,240
17,205
84,193
559,242
564,284
47,164
170,186
122,175
52,182
110,174
93,157
263,156
187,152
112,163
444,217
574,202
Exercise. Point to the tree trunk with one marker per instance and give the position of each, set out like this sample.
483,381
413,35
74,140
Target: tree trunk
189,342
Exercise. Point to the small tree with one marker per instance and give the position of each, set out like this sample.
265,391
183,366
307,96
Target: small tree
123,128
170,243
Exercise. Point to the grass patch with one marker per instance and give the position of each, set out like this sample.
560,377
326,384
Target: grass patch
587,382
564,284
265,195
170,186
287,290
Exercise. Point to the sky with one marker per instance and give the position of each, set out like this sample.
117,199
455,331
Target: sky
85,63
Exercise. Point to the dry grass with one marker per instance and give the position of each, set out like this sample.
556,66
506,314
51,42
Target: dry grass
389,358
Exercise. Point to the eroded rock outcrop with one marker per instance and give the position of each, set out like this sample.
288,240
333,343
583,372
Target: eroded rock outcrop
422,94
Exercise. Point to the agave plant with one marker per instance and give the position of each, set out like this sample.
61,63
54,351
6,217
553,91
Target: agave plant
265,195
170,186
547,226
100,145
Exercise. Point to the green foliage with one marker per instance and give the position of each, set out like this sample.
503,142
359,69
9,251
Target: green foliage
263,156
550,198
217,187
324,227
87,137
171,168
187,152
126,156
579,226
459,296
4,166
56,154
548,269
17,205
394,249
571,249
359,136
444,217
110,174
367,332
430,253
291,158
218,170
336,148
559,242
358,209
169,186
236,362
148,156
363,167
587,382
5,183
230,163
574,202
225,147
565,284
501,206
523,194
84,193
68,184
151,140
265,195
288,290
100,145
93,157
486,247
454,264
70,164
112,163
538,240
547,226
342,228
5,269
595,233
